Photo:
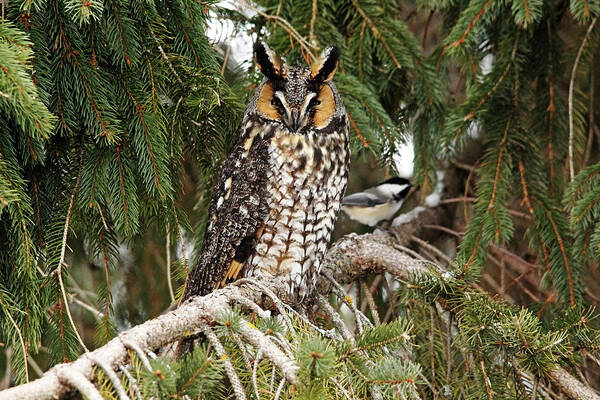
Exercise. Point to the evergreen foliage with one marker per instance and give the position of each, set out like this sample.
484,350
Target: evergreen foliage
114,118
100,104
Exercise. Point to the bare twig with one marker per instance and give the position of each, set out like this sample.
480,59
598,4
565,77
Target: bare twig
571,86
535,388
181,241
372,288
226,59
63,249
306,46
95,312
139,352
313,18
168,250
280,305
243,301
335,318
35,366
132,382
591,122
254,371
343,295
270,351
571,386
279,389
371,302
486,380
23,347
434,249
238,389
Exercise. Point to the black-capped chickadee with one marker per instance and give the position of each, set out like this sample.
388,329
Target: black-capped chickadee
378,203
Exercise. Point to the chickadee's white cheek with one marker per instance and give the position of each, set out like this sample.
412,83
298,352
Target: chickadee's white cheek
391,190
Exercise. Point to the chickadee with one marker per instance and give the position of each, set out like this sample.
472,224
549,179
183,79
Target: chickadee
378,203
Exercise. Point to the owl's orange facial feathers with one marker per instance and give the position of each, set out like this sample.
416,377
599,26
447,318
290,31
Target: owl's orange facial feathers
324,108
265,104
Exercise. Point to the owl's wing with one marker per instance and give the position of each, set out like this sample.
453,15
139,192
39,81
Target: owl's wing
237,211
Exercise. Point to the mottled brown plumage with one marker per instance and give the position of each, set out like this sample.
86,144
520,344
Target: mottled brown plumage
275,202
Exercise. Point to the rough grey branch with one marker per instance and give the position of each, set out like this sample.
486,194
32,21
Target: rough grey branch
350,258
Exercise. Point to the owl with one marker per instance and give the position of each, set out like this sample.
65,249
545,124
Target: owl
278,193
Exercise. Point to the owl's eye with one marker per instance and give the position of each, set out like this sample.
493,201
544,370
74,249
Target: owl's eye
314,102
276,103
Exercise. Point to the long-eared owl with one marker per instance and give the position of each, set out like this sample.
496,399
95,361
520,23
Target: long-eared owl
278,194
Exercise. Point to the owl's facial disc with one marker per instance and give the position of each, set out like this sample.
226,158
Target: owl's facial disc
299,98
315,109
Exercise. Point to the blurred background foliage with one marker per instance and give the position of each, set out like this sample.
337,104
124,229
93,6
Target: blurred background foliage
115,114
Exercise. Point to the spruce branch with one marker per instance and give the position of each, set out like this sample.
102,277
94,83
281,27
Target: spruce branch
127,75
487,96
376,33
351,258
460,41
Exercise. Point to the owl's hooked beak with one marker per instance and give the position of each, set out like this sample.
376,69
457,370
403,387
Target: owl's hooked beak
295,120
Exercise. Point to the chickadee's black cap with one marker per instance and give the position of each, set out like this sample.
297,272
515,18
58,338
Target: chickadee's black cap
396,181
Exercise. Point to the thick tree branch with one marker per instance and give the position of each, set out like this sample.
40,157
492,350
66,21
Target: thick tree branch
571,386
349,259
352,257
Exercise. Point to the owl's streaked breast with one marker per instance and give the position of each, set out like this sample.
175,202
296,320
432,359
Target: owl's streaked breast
305,183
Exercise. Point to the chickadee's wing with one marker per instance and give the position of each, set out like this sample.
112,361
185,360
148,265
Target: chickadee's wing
362,199
390,191
378,193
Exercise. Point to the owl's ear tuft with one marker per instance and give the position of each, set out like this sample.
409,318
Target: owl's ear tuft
323,70
269,63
